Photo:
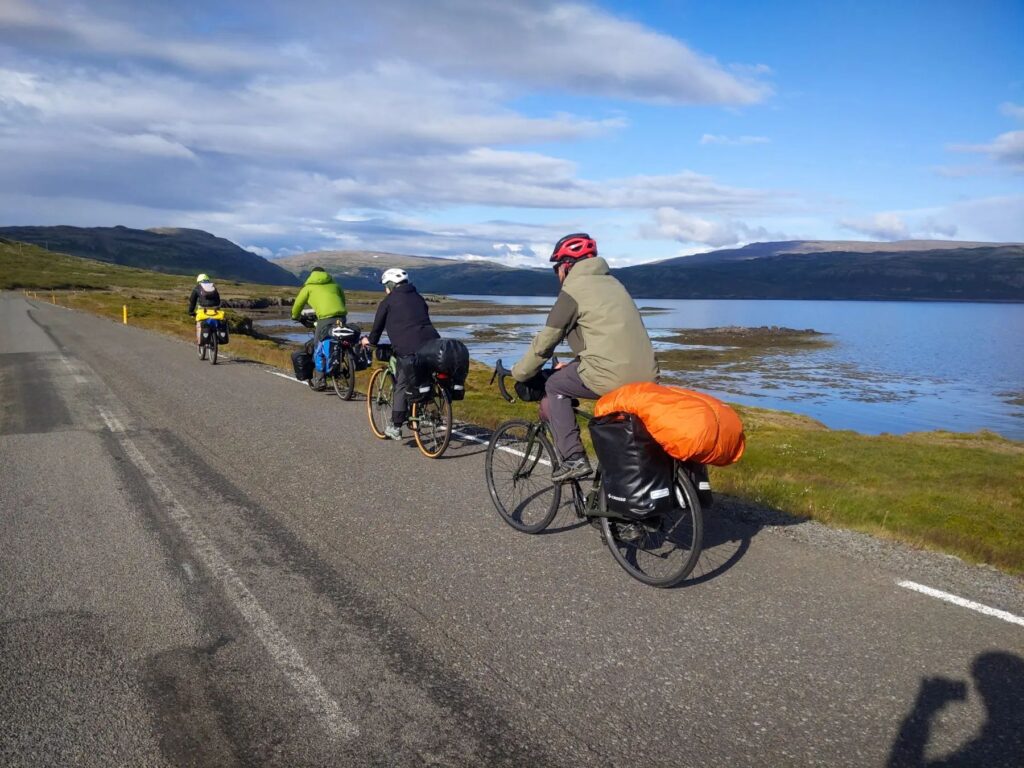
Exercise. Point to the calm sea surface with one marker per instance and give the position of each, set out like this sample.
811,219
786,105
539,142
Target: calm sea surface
895,366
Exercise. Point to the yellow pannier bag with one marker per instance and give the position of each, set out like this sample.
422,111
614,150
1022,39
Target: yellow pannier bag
690,426
209,314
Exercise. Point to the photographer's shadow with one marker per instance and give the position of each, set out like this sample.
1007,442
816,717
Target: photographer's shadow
999,679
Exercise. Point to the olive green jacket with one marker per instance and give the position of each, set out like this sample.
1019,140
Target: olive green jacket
596,316
321,293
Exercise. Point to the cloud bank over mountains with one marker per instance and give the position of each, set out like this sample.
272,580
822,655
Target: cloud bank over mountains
456,128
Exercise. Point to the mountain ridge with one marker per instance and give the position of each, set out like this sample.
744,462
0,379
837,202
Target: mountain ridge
904,271
162,249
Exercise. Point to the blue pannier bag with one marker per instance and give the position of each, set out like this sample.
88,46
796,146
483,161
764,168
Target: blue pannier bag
322,356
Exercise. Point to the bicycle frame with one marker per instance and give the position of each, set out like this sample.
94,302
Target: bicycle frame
585,504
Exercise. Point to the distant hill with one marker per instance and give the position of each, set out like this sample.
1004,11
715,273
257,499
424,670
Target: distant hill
989,273
361,270
764,250
913,270
174,251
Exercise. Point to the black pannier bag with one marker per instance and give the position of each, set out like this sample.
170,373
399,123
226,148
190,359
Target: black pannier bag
417,377
636,472
302,362
363,356
448,356
222,332
383,352
532,390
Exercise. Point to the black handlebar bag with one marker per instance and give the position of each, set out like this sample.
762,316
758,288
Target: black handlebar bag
532,390
635,470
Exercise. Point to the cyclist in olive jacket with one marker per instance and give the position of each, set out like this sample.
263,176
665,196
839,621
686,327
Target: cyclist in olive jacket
403,314
596,316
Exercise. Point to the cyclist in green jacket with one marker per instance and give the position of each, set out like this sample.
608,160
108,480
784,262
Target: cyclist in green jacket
327,299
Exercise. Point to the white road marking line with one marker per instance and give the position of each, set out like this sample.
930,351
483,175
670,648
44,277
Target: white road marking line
283,653
504,448
455,432
962,602
285,376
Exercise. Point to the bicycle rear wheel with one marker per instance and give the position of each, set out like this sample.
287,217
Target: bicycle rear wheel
518,469
213,348
344,379
662,551
432,421
202,350
379,396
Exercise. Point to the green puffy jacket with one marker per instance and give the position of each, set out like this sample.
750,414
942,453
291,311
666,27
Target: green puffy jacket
321,293
596,316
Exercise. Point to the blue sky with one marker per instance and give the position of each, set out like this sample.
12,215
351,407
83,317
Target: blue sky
484,129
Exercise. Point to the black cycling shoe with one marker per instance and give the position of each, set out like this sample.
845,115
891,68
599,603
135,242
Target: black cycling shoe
573,468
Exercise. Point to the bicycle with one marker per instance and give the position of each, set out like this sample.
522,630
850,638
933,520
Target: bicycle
430,416
342,347
209,324
659,551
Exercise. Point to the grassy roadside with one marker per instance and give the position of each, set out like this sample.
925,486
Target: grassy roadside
956,493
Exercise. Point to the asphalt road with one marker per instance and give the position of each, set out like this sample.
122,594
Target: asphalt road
212,565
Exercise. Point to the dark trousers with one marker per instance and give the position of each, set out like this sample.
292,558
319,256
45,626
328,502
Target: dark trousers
405,379
556,407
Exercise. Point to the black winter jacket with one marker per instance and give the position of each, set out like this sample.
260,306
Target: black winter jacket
205,295
404,316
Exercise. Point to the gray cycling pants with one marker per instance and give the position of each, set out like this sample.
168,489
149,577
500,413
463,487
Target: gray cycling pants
556,408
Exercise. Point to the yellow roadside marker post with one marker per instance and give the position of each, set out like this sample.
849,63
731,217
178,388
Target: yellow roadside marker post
124,309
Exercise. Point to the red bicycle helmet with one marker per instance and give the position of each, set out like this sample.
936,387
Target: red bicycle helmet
573,248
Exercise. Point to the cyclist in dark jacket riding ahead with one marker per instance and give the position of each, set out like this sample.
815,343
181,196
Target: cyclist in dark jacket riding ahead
205,295
596,316
404,316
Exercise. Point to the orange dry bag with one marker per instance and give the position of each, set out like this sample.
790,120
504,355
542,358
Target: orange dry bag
690,426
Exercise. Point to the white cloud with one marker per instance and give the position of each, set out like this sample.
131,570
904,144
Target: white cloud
567,45
1005,149
880,226
895,226
120,112
259,250
686,228
73,30
733,141
1013,110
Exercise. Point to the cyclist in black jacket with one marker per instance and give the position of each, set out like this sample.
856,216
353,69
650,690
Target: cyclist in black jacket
403,315
206,295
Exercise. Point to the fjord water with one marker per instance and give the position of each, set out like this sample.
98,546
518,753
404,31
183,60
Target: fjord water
894,367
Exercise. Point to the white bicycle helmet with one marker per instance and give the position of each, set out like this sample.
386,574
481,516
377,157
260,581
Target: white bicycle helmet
202,277
394,276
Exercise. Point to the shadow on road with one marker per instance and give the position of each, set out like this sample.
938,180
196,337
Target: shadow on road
999,679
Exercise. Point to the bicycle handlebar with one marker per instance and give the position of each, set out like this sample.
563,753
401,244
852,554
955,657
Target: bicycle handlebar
501,373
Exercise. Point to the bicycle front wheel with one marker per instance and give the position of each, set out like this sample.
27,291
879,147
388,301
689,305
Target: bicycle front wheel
344,378
432,421
518,468
661,551
202,350
379,396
